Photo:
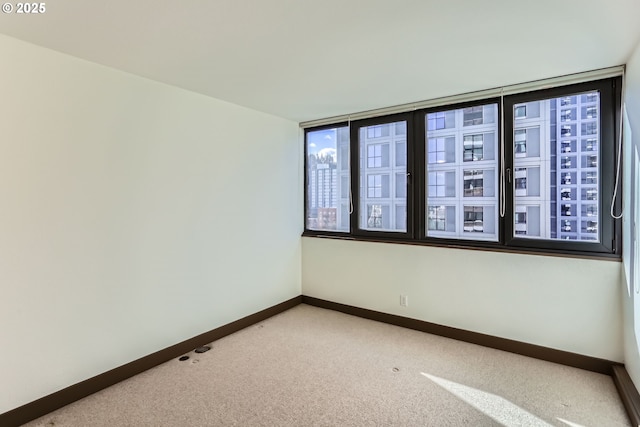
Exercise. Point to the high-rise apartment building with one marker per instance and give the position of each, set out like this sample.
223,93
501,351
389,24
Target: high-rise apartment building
576,140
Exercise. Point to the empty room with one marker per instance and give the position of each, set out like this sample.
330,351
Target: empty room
328,212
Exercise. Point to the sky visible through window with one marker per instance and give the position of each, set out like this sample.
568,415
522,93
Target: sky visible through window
322,141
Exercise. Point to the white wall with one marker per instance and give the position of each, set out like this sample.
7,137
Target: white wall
133,215
631,299
563,303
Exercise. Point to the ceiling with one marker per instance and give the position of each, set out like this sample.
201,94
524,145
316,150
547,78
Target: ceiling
312,59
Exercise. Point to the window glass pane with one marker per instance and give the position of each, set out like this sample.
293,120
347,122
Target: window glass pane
401,216
441,120
557,190
401,153
401,185
383,177
473,219
472,116
461,173
441,183
473,148
328,179
441,218
441,150
520,143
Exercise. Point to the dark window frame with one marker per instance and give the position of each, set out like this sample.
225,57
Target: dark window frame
508,241
308,231
421,169
355,177
609,228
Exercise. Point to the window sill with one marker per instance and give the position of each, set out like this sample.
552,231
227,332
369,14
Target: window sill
471,245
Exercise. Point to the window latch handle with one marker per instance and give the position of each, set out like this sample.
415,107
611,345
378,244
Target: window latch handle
509,175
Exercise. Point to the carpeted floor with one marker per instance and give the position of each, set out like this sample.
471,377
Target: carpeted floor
314,367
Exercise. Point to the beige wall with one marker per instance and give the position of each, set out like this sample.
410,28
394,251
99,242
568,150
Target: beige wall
562,303
133,215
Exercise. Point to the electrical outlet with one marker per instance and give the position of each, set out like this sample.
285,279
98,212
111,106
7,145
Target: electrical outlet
404,300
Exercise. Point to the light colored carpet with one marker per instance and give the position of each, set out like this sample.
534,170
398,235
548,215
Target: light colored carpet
314,367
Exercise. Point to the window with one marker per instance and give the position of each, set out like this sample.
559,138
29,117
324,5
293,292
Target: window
327,178
589,210
590,161
438,175
441,220
473,151
568,146
441,120
473,219
473,181
441,150
374,186
436,121
436,218
520,142
566,209
375,216
521,221
401,153
401,185
382,196
589,226
589,112
567,162
568,178
449,175
567,130
589,177
377,131
441,184
526,182
472,116
590,128
590,97
374,156
589,144
526,142
568,115
589,194
569,194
